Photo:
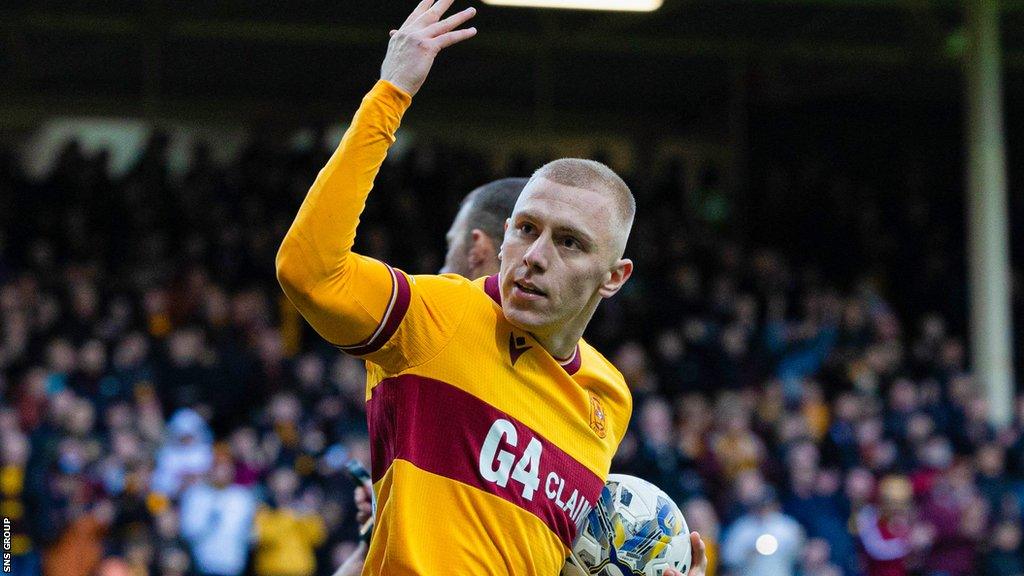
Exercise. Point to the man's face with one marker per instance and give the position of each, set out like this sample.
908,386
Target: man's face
456,261
560,248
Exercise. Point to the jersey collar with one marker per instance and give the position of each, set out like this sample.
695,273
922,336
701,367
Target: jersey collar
570,365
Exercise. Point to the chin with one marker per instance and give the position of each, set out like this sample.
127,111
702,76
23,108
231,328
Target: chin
528,320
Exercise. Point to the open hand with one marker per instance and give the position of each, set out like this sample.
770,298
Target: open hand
424,34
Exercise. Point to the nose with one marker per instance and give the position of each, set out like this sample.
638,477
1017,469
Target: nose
536,256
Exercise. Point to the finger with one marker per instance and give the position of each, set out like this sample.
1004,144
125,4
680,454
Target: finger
392,32
418,11
698,550
451,23
363,493
437,10
454,37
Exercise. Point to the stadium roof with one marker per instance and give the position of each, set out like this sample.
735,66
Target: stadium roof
309,60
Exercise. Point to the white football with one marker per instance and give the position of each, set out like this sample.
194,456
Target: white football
634,530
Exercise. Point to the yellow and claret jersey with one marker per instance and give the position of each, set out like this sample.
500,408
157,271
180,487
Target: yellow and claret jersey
487,452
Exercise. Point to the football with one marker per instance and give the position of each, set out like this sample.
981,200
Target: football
634,530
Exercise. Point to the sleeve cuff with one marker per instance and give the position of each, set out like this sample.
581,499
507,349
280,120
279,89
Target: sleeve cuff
398,305
392,96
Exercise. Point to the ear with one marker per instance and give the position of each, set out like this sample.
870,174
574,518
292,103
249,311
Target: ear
481,249
616,278
508,222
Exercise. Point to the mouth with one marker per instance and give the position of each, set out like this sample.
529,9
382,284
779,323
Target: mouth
528,289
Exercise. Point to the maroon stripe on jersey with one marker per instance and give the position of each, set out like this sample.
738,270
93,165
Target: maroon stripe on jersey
573,365
392,320
492,289
441,429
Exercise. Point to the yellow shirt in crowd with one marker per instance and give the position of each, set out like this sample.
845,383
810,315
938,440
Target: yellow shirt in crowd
286,542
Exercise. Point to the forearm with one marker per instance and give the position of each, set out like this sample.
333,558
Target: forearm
315,264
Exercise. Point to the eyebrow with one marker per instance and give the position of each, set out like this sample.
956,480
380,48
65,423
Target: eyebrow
582,236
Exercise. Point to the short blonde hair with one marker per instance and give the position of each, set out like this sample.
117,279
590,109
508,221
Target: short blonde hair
591,175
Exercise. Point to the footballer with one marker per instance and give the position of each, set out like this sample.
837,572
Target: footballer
492,422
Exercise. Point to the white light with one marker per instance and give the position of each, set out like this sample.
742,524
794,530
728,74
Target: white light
620,5
766,544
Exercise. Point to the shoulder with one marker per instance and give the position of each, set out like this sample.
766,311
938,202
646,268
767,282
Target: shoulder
742,525
242,493
425,314
606,383
791,523
603,371
447,296
443,283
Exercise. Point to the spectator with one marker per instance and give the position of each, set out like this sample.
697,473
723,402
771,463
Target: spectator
700,516
958,516
813,500
815,560
216,520
735,446
1005,556
764,540
288,531
887,532
659,460
171,550
994,485
14,453
79,549
186,455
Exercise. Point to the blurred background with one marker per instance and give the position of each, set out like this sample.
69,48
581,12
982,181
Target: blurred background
798,335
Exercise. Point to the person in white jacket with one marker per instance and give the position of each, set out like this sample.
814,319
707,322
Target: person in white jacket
186,454
216,520
763,541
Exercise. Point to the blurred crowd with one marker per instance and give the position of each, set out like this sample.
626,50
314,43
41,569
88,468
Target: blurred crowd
165,412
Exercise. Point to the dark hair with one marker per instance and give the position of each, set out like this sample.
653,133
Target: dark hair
491,204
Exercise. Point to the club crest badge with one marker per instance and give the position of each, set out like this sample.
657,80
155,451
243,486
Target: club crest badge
597,419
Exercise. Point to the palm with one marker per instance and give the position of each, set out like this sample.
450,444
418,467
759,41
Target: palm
422,36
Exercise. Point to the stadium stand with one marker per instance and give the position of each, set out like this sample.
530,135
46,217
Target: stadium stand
152,374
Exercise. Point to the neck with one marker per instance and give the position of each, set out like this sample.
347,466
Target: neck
561,346
488,268
561,343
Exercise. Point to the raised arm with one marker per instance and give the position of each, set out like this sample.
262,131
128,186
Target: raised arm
344,296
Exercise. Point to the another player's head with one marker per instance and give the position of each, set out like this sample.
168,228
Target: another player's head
563,247
478,229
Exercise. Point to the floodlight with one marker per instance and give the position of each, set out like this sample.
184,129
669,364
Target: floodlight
616,5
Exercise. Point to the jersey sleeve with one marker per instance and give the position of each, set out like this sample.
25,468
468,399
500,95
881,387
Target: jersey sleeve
362,305
428,312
